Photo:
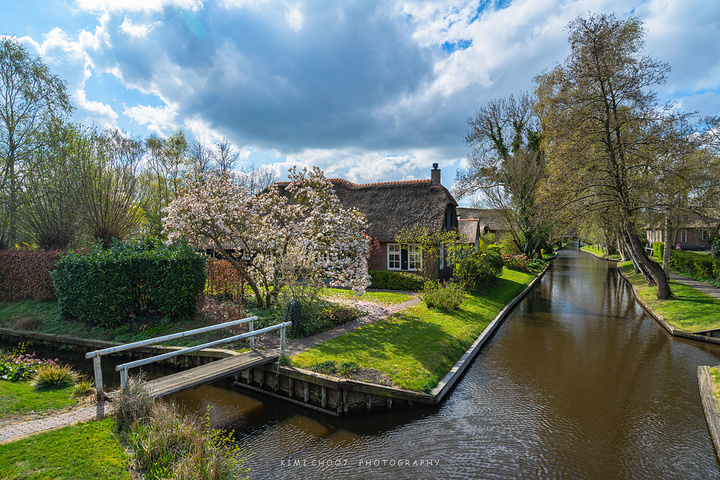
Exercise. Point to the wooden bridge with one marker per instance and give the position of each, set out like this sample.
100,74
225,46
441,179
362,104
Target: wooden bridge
196,376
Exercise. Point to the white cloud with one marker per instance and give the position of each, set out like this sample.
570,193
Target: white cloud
136,29
137,5
161,120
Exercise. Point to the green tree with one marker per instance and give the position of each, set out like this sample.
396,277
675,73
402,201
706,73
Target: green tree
31,97
506,165
602,123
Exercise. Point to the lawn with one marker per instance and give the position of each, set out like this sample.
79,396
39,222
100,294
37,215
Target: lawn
418,346
715,373
690,310
386,298
20,398
600,252
86,450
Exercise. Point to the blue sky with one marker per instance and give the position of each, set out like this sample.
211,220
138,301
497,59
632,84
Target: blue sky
368,91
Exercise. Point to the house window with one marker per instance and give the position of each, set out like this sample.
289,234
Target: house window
706,234
414,257
394,256
404,257
683,235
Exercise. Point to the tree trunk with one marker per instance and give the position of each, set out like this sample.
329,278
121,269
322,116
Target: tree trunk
621,250
653,268
667,250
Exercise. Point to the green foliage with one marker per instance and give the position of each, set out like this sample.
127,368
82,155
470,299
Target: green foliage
345,369
339,314
479,269
388,280
52,376
444,296
519,262
83,387
509,245
715,247
658,250
18,365
107,285
696,265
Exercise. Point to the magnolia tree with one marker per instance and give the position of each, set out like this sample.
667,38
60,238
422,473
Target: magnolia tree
300,238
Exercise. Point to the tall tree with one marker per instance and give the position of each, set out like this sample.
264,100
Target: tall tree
602,123
506,165
30,97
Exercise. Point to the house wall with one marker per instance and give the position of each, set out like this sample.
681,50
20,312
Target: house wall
694,238
378,258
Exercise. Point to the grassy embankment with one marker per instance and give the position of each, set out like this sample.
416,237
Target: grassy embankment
418,346
689,309
600,252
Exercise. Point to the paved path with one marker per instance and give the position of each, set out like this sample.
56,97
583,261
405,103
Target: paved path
696,284
17,431
84,414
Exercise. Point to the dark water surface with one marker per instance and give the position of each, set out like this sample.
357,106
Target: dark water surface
577,383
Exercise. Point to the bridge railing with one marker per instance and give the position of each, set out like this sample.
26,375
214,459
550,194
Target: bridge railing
123,369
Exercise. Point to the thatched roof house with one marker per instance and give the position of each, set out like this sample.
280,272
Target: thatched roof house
391,206
488,220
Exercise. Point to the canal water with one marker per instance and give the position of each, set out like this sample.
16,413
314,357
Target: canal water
578,383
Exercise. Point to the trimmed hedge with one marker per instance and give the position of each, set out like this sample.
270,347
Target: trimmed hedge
129,278
25,274
388,280
658,250
695,264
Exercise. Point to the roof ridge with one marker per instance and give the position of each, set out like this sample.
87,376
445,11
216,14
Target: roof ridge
350,184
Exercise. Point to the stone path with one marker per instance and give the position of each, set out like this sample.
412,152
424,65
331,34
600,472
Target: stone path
696,284
17,431
375,311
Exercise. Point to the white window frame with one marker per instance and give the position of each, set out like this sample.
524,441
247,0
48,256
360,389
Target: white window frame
415,263
683,235
394,254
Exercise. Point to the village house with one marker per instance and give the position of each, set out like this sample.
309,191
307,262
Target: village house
391,206
475,222
695,232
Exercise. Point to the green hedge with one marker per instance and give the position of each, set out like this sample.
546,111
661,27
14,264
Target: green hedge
695,264
658,250
129,278
387,280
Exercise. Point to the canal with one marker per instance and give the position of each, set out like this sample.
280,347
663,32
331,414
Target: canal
578,383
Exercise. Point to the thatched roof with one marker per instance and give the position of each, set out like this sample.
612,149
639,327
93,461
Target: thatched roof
468,228
489,219
390,206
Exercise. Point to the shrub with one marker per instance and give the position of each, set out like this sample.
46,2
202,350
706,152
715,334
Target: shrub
224,281
339,314
444,296
715,246
388,280
25,274
18,365
83,387
348,369
52,376
479,269
345,369
658,250
519,262
107,285
695,265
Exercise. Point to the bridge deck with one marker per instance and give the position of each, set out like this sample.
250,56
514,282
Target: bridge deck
194,377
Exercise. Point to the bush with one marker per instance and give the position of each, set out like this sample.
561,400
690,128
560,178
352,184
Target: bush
107,285
715,246
519,262
339,314
18,365
695,264
52,376
388,280
444,296
479,269
25,274
345,369
658,250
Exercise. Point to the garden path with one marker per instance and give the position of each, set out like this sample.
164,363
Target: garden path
696,284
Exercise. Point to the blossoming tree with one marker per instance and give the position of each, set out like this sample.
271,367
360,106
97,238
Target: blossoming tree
296,235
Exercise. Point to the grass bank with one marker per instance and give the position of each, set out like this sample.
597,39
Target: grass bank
86,450
600,252
689,309
418,346
20,398
715,373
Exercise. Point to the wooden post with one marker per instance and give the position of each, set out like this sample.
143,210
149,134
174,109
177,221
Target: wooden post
323,397
306,392
251,328
282,342
123,379
98,377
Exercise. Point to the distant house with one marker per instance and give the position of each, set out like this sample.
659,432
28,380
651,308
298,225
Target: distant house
695,232
475,222
391,206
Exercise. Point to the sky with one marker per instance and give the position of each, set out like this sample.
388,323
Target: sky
369,91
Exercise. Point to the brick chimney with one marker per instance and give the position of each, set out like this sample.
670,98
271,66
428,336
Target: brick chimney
435,175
